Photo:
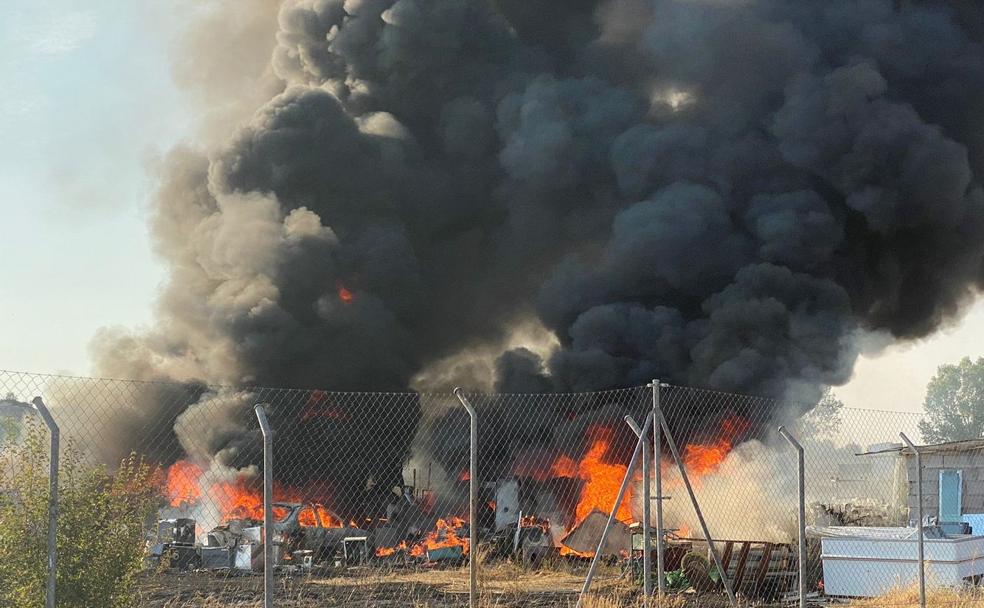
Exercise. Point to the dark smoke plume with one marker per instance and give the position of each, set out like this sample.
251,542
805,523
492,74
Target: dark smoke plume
721,193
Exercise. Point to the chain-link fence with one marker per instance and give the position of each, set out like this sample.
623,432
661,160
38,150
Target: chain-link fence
371,493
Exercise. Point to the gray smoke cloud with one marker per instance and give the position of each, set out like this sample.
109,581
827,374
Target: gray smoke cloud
712,192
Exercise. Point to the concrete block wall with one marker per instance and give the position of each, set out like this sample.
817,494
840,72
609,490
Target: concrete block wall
972,466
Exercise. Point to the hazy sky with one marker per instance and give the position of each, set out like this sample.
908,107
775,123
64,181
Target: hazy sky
87,105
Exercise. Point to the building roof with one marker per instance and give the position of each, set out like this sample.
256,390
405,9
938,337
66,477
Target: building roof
966,445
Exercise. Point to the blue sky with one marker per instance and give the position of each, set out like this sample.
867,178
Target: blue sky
87,106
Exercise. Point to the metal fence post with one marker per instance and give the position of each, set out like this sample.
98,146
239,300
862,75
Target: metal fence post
658,465
472,502
647,540
801,515
611,516
919,515
268,557
700,514
49,598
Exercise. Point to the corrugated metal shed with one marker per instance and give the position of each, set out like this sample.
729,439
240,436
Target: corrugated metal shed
967,445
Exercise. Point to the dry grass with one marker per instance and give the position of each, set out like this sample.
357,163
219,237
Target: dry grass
503,586
615,599
909,598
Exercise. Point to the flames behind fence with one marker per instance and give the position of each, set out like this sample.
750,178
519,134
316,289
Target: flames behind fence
392,468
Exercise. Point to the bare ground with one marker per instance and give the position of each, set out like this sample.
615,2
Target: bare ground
503,586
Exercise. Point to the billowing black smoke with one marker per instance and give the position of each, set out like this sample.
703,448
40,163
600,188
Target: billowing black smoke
721,193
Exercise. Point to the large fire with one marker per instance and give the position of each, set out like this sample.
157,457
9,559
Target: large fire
187,483
601,479
236,499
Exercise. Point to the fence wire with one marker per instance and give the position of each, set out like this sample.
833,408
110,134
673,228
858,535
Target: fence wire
372,493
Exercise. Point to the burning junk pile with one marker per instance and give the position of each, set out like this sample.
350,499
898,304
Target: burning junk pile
548,505
413,531
305,534
447,542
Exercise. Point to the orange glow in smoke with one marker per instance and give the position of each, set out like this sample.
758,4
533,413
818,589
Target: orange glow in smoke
345,295
564,467
318,405
464,475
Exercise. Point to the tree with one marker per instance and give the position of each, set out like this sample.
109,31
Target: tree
954,403
824,420
100,525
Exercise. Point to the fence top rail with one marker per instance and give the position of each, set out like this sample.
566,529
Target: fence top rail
433,394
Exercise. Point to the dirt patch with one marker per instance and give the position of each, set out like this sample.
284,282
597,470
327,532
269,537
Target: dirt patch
502,587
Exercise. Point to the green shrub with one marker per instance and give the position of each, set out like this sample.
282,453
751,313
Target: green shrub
100,525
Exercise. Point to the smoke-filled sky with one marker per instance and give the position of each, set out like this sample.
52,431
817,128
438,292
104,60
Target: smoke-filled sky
376,194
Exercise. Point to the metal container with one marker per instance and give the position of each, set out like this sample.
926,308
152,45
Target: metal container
866,566
253,534
355,549
445,554
243,559
303,559
216,558
178,531
181,557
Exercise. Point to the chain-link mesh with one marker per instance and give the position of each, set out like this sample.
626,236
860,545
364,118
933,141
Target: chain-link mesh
372,492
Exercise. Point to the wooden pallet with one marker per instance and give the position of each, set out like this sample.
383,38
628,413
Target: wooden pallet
758,569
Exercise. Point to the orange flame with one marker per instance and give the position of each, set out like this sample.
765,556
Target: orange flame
565,551
443,536
601,479
307,517
388,551
240,500
701,459
236,499
182,483
532,521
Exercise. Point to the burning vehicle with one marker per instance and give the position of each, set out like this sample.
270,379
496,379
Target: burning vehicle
312,527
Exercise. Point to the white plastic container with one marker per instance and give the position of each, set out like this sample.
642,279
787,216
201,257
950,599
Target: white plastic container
866,566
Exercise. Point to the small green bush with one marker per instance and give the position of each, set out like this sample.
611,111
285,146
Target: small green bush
100,525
